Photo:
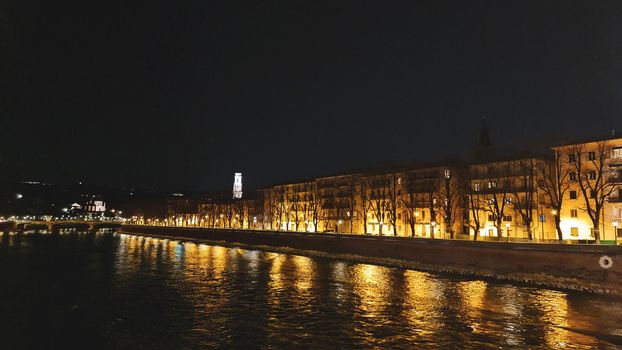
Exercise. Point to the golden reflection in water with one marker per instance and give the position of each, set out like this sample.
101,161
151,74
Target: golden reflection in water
422,303
275,285
512,304
251,257
219,260
554,308
371,284
305,272
472,298
203,258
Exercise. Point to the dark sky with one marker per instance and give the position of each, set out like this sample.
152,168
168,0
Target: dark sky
180,94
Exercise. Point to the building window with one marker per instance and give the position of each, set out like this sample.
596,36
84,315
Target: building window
399,216
592,175
574,232
492,184
591,155
572,158
616,152
507,218
592,194
573,194
573,213
490,218
573,176
476,187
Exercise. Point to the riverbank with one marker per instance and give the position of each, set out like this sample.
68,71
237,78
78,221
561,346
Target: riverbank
591,268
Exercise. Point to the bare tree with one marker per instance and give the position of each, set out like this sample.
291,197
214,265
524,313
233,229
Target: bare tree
295,204
410,200
555,183
475,201
593,178
524,192
269,208
315,205
361,188
259,208
328,205
452,198
432,207
351,204
229,211
306,205
393,182
378,198
278,203
498,184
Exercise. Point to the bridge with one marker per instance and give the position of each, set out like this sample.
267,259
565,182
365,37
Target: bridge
55,225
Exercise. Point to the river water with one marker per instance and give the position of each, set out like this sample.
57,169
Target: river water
115,291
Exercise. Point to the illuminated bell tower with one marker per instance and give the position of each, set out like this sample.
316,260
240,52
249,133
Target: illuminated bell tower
237,185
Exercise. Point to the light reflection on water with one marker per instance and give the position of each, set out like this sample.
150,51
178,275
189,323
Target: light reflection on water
129,291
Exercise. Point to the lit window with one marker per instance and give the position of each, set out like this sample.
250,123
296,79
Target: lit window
574,231
616,152
573,213
591,155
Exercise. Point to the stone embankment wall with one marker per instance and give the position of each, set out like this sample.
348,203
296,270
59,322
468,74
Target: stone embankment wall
577,267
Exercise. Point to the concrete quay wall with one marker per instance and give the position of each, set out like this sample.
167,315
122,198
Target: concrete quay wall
572,267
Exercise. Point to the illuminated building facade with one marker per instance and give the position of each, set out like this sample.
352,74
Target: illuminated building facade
505,199
591,174
573,194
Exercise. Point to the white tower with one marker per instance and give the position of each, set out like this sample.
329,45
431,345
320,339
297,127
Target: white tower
237,185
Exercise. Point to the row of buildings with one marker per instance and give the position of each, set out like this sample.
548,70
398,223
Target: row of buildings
572,193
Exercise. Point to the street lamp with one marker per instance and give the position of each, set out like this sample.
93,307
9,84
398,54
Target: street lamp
507,230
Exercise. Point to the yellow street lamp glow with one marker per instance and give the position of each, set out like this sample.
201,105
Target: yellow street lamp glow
554,212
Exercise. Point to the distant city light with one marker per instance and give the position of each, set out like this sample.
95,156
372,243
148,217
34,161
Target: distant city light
19,196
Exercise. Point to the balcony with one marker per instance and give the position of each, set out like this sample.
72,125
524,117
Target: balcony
614,199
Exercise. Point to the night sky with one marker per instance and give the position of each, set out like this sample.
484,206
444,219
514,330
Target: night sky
180,94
